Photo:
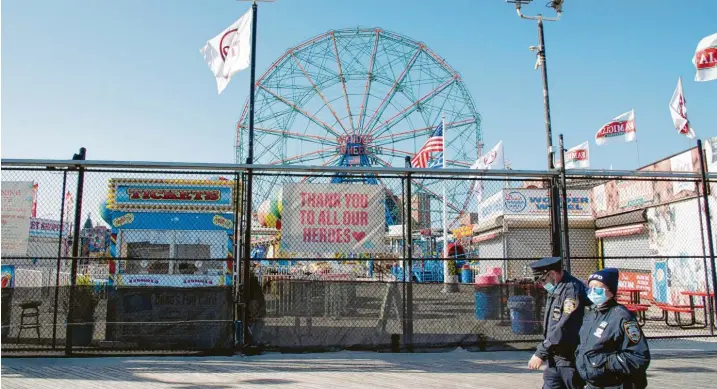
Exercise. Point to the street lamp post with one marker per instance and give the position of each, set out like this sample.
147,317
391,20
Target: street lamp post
557,5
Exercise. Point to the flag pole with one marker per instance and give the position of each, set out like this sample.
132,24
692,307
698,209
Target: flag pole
637,147
248,188
447,278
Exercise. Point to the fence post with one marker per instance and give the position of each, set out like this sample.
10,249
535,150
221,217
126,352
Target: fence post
408,222
246,256
236,254
708,223
564,206
75,248
708,274
60,243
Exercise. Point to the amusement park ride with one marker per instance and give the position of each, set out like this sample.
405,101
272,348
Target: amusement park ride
358,98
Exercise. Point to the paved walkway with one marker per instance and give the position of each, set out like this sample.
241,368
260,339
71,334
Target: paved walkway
676,364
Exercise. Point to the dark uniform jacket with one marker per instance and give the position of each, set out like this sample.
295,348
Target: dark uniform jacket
613,352
564,311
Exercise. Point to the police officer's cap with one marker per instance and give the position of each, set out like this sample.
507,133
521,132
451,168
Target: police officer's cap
543,266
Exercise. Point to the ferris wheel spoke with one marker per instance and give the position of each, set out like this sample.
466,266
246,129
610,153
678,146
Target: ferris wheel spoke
387,99
393,152
327,163
392,138
301,111
320,140
318,92
410,109
367,90
306,157
343,83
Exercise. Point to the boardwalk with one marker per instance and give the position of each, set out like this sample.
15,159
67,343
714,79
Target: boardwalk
676,364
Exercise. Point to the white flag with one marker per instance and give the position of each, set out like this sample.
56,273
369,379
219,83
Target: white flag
230,51
705,59
622,128
577,157
678,111
493,159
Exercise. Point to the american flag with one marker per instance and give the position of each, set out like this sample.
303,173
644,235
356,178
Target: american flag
434,144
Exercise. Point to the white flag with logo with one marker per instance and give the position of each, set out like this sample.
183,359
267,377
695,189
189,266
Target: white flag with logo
577,157
230,51
622,128
493,159
705,59
678,111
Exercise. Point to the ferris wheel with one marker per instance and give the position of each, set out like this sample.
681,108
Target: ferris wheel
362,97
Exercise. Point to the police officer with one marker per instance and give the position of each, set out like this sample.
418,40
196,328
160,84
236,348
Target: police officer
613,352
564,311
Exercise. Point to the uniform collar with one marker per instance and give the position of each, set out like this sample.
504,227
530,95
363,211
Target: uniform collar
563,281
605,307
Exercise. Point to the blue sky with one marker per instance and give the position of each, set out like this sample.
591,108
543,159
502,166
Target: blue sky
126,80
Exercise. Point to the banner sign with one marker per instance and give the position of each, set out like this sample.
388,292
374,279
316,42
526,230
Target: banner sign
16,211
173,280
534,202
333,218
537,202
171,195
47,228
637,280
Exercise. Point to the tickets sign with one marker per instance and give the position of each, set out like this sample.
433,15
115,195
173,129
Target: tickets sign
333,218
16,212
171,195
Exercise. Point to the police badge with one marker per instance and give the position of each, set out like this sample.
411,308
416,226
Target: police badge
632,331
569,305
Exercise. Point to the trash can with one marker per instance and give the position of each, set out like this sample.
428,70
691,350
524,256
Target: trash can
466,274
487,294
522,319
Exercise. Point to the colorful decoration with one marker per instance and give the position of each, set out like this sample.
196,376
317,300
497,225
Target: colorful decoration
8,276
269,212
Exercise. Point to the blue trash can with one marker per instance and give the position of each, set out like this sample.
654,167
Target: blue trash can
487,297
466,275
522,319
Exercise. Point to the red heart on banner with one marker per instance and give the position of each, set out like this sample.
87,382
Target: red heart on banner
359,236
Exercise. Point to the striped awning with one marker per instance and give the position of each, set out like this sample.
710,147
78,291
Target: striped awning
632,229
486,236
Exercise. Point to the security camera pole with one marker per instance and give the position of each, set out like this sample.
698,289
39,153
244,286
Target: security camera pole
554,193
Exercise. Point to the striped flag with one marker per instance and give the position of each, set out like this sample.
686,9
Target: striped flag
434,144
437,162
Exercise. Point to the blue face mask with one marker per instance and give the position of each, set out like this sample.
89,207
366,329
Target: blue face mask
549,287
597,295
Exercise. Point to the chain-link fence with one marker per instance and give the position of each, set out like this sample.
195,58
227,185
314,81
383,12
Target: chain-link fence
152,257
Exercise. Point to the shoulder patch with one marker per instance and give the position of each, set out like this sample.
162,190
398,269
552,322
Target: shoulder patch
569,305
632,331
